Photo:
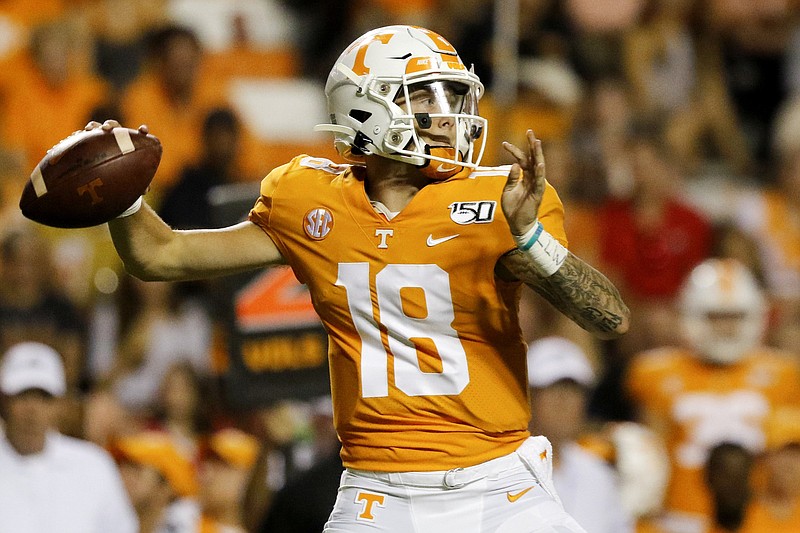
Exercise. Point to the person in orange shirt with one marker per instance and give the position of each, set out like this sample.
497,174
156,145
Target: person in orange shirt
414,256
720,386
51,94
174,96
160,480
224,472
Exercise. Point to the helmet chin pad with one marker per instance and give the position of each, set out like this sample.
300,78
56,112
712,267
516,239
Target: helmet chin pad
436,170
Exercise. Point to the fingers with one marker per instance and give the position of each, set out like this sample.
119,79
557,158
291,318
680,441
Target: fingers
110,124
531,160
518,154
535,148
538,155
513,175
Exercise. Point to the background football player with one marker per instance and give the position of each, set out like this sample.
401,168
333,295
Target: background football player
720,387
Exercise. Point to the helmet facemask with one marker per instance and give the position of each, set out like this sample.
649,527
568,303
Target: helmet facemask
441,121
723,311
724,344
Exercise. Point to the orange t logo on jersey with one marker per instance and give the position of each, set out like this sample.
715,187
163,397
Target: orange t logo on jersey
368,500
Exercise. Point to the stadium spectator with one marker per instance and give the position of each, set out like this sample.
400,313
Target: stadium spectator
277,427
753,38
51,482
673,66
32,306
771,216
303,504
52,93
148,329
173,96
161,482
183,407
120,29
561,378
187,205
229,457
17,19
650,238
599,30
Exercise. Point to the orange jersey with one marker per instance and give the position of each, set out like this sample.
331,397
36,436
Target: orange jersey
427,360
699,405
34,115
760,518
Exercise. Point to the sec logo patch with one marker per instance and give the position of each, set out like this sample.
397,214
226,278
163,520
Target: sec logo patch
318,223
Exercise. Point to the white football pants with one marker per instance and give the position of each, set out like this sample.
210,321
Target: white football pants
510,494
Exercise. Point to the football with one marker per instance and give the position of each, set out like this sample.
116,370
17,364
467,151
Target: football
90,177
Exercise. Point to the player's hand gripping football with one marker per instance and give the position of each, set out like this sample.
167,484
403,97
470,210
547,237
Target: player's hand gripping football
525,186
109,125
92,176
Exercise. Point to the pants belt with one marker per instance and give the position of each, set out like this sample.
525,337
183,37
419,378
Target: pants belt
449,479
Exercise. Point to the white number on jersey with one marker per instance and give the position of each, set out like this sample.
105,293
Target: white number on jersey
714,418
402,329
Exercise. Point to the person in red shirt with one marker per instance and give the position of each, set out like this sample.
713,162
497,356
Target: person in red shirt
651,238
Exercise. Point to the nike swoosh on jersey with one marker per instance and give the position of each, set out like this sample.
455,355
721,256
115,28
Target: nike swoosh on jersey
514,497
433,242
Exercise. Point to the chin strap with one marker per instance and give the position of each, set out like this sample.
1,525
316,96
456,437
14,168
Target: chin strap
438,170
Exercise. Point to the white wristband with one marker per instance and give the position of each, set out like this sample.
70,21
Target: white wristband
132,209
546,253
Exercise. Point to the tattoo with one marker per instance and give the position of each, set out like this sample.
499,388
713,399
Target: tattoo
576,289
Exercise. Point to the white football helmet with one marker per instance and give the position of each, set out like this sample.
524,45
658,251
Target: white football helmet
370,107
722,289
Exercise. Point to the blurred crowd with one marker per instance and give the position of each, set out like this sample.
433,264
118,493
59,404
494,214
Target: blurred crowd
671,130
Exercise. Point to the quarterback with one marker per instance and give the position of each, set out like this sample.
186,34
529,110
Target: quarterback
414,256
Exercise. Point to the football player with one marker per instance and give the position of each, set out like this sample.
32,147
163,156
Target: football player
414,257
720,387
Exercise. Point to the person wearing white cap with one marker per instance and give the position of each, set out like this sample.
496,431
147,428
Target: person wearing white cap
560,378
50,482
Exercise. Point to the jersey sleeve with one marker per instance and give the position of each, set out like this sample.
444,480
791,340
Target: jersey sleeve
261,211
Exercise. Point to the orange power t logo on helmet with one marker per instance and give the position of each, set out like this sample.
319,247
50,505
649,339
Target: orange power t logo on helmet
442,44
359,67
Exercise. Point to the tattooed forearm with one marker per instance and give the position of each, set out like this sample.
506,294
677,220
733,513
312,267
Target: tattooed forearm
577,290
